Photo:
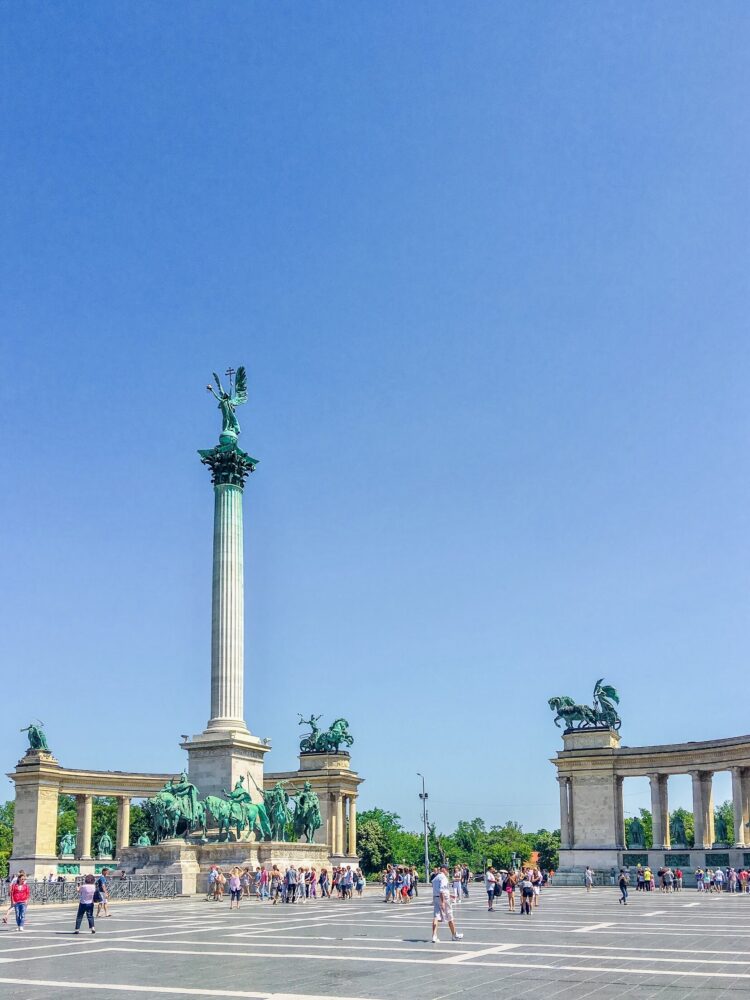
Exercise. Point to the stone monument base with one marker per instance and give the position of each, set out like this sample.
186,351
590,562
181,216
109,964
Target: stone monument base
190,861
218,757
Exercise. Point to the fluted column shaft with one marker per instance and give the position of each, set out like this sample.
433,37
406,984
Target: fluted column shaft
339,824
227,620
352,825
332,834
123,822
738,805
84,815
565,824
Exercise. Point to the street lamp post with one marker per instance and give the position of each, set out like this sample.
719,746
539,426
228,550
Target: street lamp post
423,797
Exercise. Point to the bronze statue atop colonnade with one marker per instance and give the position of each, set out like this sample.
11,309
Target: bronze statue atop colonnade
591,769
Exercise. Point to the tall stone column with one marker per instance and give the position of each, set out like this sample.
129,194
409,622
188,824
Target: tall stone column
565,838
619,815
123,822
227,618
333,819
352,826
664,802
657,816
699,816
84,817
746,803
226,750
708,806
703,808
339,824
737,807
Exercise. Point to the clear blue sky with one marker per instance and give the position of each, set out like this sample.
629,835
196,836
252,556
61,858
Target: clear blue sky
487,265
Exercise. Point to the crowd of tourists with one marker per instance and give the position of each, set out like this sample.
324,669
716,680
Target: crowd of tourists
527,882
668,879
293,885
400,883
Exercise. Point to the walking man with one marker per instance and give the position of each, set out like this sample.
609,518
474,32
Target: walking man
588,878
441,905
623,883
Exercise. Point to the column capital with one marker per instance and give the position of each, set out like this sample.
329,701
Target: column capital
229,465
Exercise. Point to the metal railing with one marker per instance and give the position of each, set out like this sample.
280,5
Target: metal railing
133,887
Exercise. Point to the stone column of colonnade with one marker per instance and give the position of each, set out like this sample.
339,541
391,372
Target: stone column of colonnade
660,811
332,834
339,823
84,816
227,618
566,813
620,841
703,808
123,822
352,826
741,805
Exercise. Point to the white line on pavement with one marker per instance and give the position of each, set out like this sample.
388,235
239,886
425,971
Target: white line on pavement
591,927
466,956
172,990
699,974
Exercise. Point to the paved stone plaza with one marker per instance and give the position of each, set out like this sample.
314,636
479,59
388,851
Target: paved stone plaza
575,946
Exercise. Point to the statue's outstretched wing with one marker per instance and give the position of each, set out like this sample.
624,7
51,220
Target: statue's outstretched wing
609,692
240,387
218,383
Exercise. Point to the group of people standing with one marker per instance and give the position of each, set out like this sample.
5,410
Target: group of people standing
293,885
671,880
720,880
92,890
399,883
528,882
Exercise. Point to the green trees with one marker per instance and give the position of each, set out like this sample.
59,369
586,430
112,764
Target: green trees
381,840
688,824
6,836
547,846
724,823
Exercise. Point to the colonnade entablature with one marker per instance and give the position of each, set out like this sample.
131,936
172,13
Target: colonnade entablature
591,769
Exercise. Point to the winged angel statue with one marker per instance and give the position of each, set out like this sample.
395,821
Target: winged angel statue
229,401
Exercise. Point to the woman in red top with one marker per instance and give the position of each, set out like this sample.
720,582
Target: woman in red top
19,897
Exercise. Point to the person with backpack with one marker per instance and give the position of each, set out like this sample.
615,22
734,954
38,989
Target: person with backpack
490,881
102,894
623,884
527,891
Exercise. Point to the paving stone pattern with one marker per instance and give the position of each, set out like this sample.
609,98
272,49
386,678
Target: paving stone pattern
576,945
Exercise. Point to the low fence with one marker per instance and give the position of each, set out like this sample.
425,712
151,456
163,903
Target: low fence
139,887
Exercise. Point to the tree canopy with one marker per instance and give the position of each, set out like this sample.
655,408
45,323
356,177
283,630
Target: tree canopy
382,840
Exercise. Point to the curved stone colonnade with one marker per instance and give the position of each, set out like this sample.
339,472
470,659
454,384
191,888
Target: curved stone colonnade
590,771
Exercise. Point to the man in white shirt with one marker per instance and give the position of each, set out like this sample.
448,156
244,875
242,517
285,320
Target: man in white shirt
441,904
